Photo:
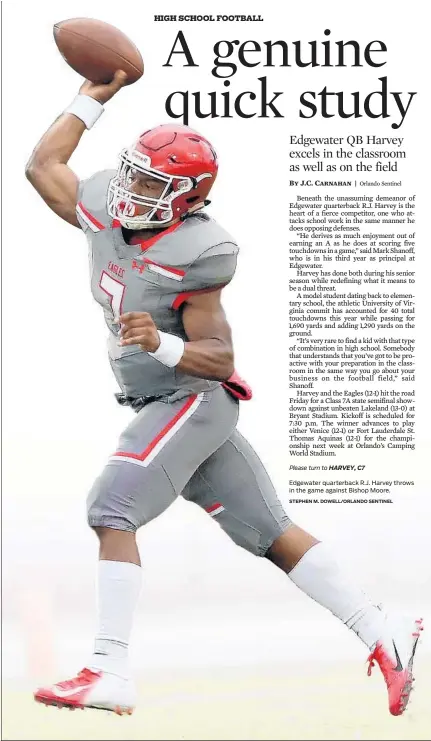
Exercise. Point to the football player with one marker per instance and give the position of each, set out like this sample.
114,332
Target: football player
158,268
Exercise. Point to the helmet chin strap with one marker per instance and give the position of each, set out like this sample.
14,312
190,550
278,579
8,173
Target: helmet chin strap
193,209
140,226
144,224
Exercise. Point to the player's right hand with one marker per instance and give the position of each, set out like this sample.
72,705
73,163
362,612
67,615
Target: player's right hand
105,91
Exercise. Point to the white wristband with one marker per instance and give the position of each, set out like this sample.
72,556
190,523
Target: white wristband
86,108
170,350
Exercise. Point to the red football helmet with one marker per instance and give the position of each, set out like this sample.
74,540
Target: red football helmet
182,161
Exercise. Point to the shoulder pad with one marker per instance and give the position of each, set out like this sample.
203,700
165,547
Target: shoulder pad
205,233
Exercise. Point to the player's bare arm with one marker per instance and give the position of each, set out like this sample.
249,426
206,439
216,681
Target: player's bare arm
207,354
48,170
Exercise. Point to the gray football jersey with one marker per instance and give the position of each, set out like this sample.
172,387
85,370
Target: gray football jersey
155,276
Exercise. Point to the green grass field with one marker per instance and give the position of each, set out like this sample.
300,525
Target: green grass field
333,702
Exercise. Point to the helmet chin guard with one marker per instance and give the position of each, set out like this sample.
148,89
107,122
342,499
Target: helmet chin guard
180,159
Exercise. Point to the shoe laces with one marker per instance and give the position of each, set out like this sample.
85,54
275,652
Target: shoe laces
371,663
84,676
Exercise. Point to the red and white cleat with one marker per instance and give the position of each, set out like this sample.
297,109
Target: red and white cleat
91,689
394,656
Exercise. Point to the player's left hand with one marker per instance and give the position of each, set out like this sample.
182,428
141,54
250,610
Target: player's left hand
138,328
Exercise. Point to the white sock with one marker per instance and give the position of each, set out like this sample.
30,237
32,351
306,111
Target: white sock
318,575
119,585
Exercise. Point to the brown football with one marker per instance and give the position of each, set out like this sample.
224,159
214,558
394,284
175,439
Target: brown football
96,50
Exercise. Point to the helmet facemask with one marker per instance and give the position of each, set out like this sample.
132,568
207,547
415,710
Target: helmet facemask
123,203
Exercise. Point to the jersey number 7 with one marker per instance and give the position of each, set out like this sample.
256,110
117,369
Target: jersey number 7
115,290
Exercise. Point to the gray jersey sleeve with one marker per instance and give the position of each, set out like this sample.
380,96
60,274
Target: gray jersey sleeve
91,208
214,268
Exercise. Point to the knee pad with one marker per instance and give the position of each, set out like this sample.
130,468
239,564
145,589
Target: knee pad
107,506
